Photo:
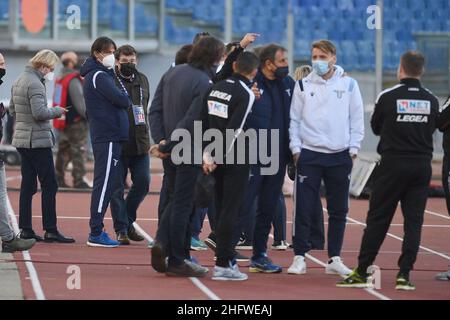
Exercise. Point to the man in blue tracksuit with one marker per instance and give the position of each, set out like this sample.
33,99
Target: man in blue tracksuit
106,108
270,112
326,130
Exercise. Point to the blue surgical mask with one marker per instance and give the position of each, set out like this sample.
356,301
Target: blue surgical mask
321,67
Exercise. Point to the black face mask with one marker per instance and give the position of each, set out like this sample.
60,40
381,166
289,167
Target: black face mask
282,73
2,72
127,69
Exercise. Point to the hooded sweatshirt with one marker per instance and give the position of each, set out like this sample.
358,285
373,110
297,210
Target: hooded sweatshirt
106,105
327,116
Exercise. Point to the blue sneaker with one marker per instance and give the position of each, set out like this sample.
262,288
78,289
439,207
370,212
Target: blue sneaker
263,264
103,241
198,245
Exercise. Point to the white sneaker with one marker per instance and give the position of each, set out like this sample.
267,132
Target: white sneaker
336,266
298,265
231,273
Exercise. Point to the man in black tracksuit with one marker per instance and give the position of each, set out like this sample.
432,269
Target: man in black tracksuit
405,119
227,106
176,106
443,124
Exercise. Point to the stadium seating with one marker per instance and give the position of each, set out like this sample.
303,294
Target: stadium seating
145,24
342,21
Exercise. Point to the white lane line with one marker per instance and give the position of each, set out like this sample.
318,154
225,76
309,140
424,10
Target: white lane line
26,256
437,214
368,290
401,239
211,295
440,254
142,232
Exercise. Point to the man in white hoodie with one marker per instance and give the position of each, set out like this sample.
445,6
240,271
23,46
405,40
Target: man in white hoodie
326,130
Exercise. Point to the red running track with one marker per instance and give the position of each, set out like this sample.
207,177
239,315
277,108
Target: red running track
125,272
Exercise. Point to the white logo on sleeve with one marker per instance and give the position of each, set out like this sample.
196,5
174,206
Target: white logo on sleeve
302,178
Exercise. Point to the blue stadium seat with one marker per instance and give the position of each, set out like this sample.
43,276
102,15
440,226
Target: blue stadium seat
4,10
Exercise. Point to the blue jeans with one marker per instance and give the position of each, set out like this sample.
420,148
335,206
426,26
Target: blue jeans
199,217
124,210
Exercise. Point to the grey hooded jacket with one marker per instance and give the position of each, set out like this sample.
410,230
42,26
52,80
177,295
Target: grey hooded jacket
29,107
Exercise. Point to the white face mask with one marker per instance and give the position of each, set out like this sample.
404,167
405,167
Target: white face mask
109,61
50,76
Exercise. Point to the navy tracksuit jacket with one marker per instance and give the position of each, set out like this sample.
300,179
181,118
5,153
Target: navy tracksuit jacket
106,110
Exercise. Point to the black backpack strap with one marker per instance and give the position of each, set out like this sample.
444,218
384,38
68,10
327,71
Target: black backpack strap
300,82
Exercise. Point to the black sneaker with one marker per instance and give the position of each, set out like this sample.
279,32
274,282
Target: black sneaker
123,239
354,280
280,245
211,242
134,236
186,269
81,185
246,245
403,283
159,258
17,244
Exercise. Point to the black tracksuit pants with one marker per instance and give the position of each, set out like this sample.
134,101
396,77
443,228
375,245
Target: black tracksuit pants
231,182
400,179
173,228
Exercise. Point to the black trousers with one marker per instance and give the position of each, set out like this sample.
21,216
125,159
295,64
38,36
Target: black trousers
173,228
37,163
231,182
446,178
404,180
